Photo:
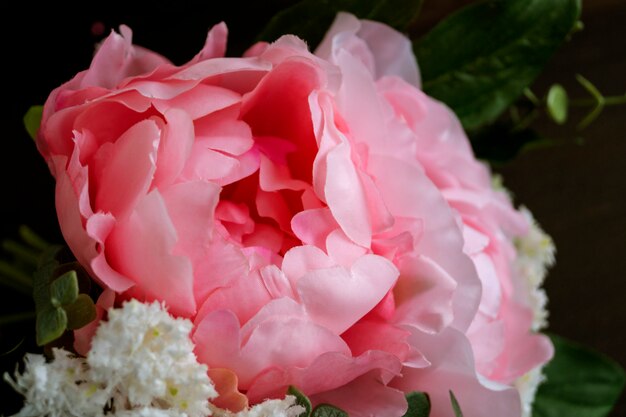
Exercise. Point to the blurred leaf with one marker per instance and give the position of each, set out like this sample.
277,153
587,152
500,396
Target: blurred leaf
51,323
81,312
579,383
419,405
480,59
557,103
326,410
301,400
310,19
64,289
32,120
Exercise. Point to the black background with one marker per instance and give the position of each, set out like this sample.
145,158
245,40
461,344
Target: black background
577,190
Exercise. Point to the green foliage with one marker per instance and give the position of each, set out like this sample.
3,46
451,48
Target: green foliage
32,120
301,400
58,303
326,410
310,19
480,59
419,404
579,383
557,103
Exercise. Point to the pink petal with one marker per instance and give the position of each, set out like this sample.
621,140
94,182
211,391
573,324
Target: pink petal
125,175
141,247
365,396
453,370
407,192
200,100
215,45
117,59
174,148
337,298
313,226
299,260
424,295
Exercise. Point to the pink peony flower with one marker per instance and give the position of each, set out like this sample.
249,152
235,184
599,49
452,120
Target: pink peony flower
322,221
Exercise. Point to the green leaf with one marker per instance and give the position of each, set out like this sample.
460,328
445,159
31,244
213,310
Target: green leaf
310,19
480,59
64,289
301,400
579,383
51,323
455,405
32,120
419,404
326,410
557,103
81,312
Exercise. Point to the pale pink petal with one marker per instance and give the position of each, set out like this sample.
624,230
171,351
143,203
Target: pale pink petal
345,196
343,250
337,298
327,372
117,59
200,100
407,192
365,396
424,295
215,45
299,260
313,226
453,370
221,131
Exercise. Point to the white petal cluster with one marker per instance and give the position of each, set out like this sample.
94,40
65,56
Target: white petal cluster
144,355
268,408
535,254
141,364
527,387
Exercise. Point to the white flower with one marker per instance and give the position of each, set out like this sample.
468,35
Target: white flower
144,355
527,386
60,388
141,364
535,254
268,408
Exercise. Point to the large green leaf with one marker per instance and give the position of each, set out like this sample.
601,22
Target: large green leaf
480,59
310,19
579,383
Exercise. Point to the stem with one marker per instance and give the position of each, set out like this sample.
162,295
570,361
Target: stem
12,277
32,238
608,101
21,252
16,317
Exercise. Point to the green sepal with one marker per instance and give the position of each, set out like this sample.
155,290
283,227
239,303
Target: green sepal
480,59
51,324
310,19
64,289
301,400
455,405
32,120
327,410
418,404
579,383
557,103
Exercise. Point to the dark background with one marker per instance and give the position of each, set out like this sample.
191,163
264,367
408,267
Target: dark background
577,189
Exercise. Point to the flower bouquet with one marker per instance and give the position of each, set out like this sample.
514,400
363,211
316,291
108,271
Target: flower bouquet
303,229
